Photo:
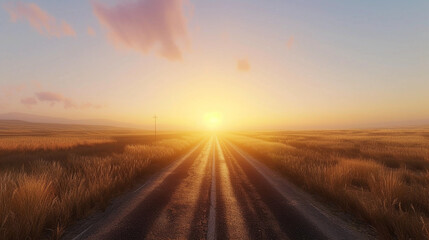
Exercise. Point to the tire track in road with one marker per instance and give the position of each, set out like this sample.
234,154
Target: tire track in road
260,221
230,220
138,223
290,220
200,219
211,232
175,220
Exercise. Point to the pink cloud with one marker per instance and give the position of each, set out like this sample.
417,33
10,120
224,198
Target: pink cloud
90,31
243,65
49,97
53,98
290,42
30,101
146,24
39,19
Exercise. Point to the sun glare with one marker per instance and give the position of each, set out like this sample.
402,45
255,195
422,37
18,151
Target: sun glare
213,120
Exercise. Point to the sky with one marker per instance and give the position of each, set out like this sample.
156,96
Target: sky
242,65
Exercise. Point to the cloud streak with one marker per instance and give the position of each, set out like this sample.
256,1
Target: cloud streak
29,102
39,19
49,97
53,98
143,25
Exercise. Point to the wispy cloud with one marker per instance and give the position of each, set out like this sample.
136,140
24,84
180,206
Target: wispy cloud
243,65
146,24
50,97
10,91
53,98
39,19
29,102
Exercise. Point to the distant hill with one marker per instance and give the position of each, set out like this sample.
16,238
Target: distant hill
32,118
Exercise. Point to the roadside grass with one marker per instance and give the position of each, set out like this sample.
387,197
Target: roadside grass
40,197
381,176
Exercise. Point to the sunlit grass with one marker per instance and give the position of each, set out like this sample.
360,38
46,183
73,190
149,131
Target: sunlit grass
45,196
380,176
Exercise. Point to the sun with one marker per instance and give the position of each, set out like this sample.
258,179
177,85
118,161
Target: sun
213,120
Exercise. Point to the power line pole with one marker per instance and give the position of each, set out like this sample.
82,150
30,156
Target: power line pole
155,117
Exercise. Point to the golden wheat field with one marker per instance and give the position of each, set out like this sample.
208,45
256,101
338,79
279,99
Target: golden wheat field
50,179
48,182
380,176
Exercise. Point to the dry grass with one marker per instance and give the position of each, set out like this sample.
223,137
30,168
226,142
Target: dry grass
43,195
380,176
32,143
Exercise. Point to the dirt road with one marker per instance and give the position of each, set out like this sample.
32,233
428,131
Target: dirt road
216,191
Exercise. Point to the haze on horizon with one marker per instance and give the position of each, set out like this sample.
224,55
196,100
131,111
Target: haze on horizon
242,64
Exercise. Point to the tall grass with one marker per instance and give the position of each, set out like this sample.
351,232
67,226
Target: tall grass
380,176
41,200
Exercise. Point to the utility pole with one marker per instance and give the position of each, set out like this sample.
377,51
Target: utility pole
155,117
